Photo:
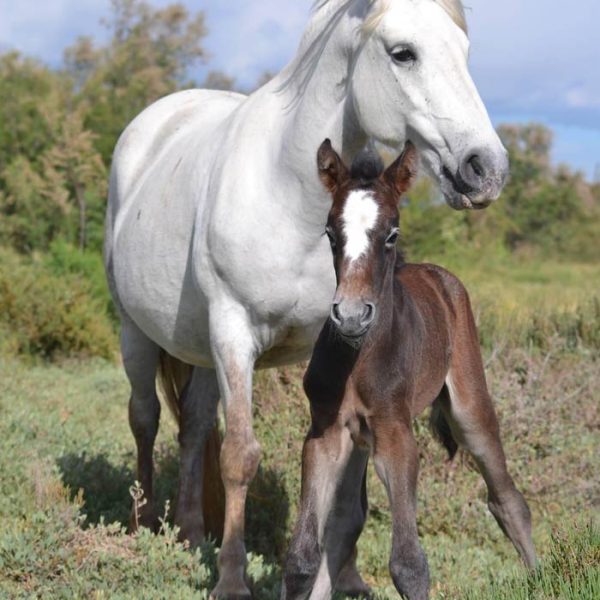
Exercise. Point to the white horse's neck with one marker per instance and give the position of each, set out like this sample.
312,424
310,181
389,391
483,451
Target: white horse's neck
312,97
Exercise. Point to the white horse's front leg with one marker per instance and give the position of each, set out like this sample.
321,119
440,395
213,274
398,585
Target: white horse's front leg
234,355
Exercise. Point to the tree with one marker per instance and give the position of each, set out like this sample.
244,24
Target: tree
75,166
148,56
29,92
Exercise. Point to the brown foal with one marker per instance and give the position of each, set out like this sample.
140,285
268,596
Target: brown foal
400,337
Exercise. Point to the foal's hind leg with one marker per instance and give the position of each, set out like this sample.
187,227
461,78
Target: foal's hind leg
140,359
198,414
472,419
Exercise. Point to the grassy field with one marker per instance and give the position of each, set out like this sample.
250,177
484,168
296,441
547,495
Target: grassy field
66,460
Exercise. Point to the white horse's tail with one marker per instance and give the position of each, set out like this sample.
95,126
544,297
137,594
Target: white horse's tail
174,375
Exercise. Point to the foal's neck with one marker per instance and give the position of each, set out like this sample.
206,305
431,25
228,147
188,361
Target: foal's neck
390,303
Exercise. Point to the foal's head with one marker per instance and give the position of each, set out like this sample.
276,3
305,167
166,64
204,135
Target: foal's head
362,228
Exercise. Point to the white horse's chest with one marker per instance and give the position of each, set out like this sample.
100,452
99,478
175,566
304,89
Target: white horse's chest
308,301
285,287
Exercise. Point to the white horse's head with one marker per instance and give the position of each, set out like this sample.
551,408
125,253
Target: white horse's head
411,81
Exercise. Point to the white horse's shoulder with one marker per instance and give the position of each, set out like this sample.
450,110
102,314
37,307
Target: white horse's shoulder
154,130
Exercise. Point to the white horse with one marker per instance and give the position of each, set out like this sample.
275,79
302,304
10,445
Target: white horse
215,250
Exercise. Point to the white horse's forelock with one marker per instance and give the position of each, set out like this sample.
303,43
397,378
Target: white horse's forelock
379,8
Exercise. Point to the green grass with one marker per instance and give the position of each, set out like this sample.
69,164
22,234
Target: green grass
66,452
528,302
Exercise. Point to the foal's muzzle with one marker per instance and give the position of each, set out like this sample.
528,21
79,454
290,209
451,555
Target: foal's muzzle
352,317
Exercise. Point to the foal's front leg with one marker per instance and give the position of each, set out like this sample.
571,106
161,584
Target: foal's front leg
397,463
331,514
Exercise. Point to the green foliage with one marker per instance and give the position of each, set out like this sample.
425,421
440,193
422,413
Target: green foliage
529,302
147,57
28,92
29,218
571,571
63,259
544,211
49,316
58,128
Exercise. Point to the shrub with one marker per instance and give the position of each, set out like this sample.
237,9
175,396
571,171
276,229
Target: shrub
50,316
65,259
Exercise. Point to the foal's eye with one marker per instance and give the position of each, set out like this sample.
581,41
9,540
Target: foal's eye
403,55
331,237
392,238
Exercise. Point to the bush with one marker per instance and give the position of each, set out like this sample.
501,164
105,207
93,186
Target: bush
50,316
65,259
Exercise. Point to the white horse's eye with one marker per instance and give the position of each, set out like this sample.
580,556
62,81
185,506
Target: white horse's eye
392,238
403,55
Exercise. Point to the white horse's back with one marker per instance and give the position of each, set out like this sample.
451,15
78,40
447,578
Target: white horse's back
153,132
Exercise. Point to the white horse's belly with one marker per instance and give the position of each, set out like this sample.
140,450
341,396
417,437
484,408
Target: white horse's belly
155,187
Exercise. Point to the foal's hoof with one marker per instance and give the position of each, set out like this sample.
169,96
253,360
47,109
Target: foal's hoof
354,587
193,535
230,596
226,592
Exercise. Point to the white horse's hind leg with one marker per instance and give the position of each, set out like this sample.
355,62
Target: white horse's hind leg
234,355
198,414
140,359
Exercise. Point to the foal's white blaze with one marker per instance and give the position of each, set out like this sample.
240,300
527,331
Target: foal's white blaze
359,217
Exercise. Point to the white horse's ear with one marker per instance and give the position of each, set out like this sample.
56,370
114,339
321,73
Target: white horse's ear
401,173
332,170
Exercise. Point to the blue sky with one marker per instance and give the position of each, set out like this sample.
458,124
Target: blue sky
532,60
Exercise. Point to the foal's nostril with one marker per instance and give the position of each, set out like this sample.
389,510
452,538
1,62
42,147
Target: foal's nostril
368,314
335,313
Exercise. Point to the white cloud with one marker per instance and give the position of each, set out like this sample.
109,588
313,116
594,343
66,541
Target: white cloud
249,37
580,97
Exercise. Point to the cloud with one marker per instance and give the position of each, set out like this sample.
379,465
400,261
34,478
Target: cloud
580,97
248,37
538,57
44,29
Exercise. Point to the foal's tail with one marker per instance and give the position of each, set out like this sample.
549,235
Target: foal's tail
440,427
174,375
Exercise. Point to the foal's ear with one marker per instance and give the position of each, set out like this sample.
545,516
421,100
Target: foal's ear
332,170
401,173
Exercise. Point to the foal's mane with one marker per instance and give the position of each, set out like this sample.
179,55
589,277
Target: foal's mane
367,165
